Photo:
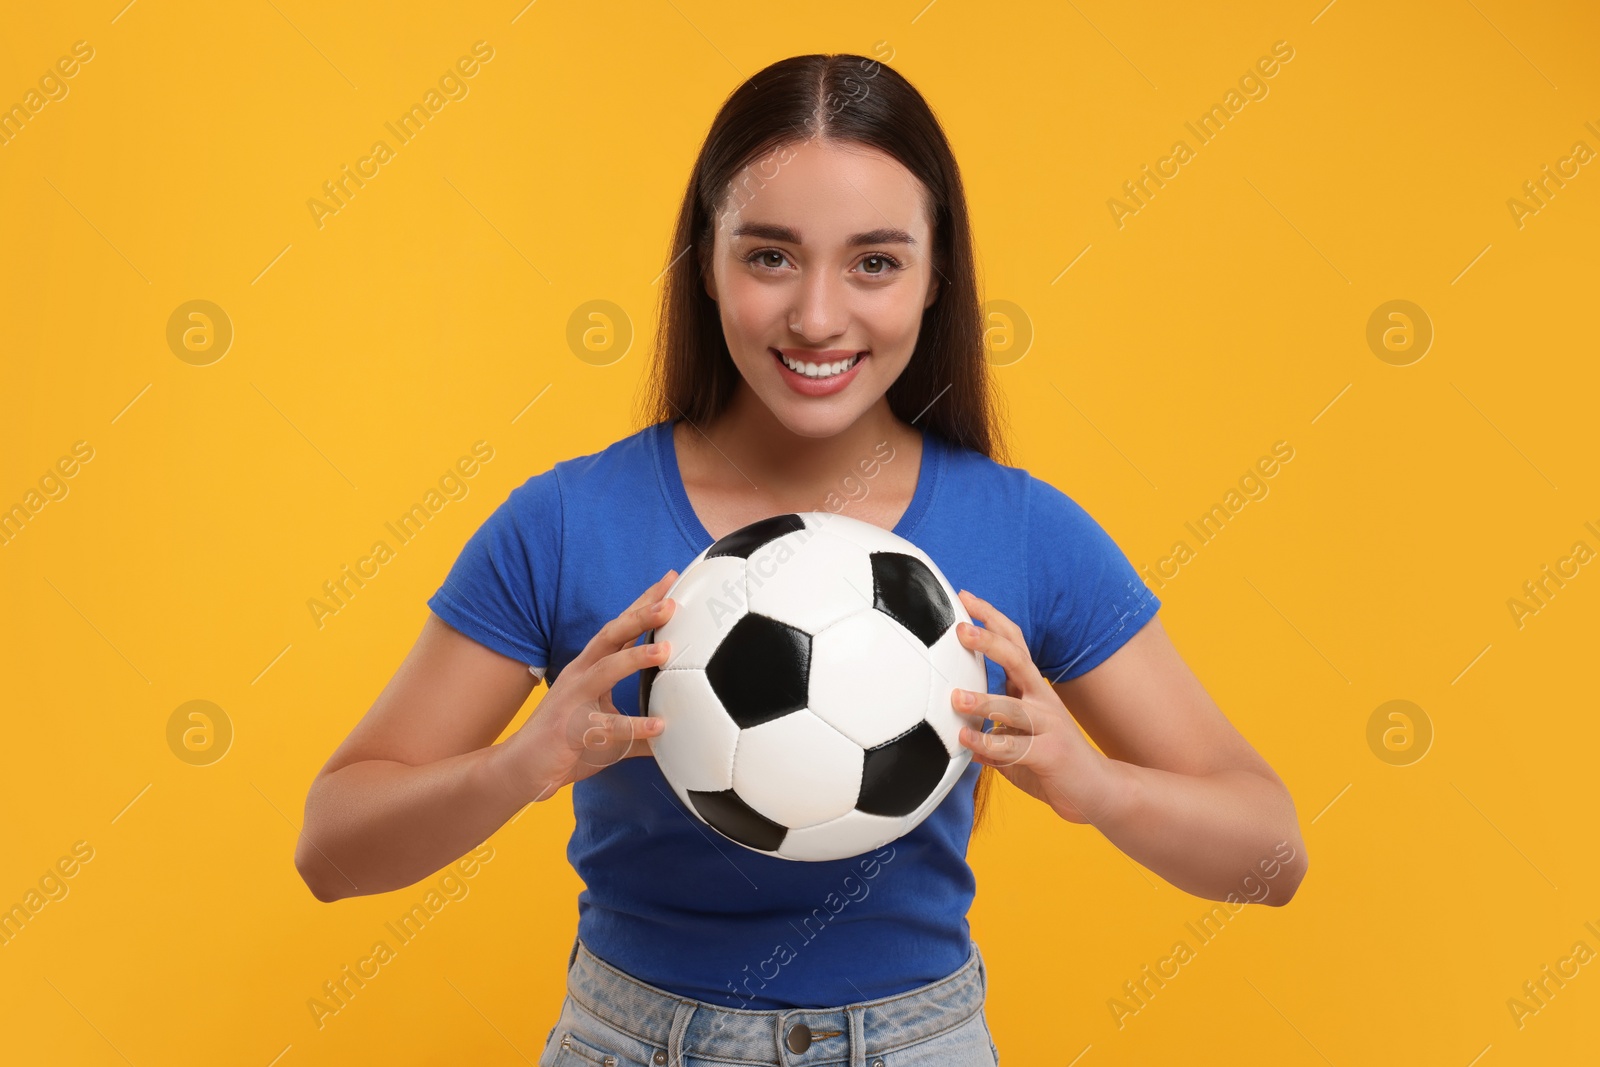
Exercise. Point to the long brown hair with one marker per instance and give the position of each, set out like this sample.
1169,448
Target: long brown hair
946,388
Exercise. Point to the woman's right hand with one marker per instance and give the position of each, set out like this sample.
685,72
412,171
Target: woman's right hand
577,730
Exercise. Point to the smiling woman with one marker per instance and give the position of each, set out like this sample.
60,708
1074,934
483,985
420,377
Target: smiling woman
819,310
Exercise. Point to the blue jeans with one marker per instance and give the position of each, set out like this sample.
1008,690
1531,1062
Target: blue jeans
611,1019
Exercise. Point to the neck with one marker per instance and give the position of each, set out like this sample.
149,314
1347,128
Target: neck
754,445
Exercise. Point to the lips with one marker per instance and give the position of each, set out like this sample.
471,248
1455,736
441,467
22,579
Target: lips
808,385
820,358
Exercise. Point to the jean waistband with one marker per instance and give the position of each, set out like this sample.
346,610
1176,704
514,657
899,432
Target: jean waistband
795,1036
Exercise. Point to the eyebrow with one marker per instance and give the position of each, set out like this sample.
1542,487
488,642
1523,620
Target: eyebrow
772,232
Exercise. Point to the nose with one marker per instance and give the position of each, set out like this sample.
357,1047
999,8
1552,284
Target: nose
821,308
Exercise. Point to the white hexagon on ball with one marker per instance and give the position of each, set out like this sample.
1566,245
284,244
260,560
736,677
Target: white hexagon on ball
809,579
695,749
852,833
797,770
869,678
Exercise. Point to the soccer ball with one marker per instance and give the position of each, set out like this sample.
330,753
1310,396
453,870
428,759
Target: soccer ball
807,689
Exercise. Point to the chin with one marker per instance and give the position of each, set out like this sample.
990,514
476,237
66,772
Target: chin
812,418
816,424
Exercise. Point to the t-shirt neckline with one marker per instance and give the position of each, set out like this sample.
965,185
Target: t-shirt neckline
671,479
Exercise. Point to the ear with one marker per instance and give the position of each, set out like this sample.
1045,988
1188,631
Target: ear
709,277
933,291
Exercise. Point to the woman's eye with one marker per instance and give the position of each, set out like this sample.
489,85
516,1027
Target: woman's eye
761,257
892,264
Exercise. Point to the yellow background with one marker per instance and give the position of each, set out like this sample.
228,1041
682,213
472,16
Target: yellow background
1229,313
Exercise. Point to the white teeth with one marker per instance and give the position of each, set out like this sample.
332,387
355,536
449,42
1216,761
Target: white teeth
818,370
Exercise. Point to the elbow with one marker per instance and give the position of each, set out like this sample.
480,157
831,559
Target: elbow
319,889
1278,900
313,871
316,870
1293,872
1290,853
1278,874
322,895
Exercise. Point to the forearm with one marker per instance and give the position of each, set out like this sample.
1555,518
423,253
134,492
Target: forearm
379,825
1208,835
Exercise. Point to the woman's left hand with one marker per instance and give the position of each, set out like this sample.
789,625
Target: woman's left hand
1035,742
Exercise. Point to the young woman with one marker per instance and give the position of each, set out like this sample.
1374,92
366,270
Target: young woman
820,349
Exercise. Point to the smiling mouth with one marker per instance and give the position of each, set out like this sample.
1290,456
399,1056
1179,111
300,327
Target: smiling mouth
819,371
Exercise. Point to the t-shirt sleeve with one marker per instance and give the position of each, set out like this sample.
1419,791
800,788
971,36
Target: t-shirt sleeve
1084,598
501,591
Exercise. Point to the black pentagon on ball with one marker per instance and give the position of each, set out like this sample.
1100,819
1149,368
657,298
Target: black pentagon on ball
902,773
746,539
761,670
904,589
732,817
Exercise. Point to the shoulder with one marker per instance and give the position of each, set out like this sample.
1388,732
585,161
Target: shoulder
977,479
571,479
1045,507
1051,508
635,449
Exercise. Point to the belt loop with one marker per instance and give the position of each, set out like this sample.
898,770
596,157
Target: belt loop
573,955
856,1015
680,1026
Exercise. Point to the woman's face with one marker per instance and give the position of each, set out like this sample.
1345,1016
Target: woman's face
822,252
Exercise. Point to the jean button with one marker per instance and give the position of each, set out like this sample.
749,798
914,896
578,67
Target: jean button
799,1037
659,1058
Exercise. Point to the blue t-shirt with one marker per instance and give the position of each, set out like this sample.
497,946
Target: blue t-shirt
666,899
